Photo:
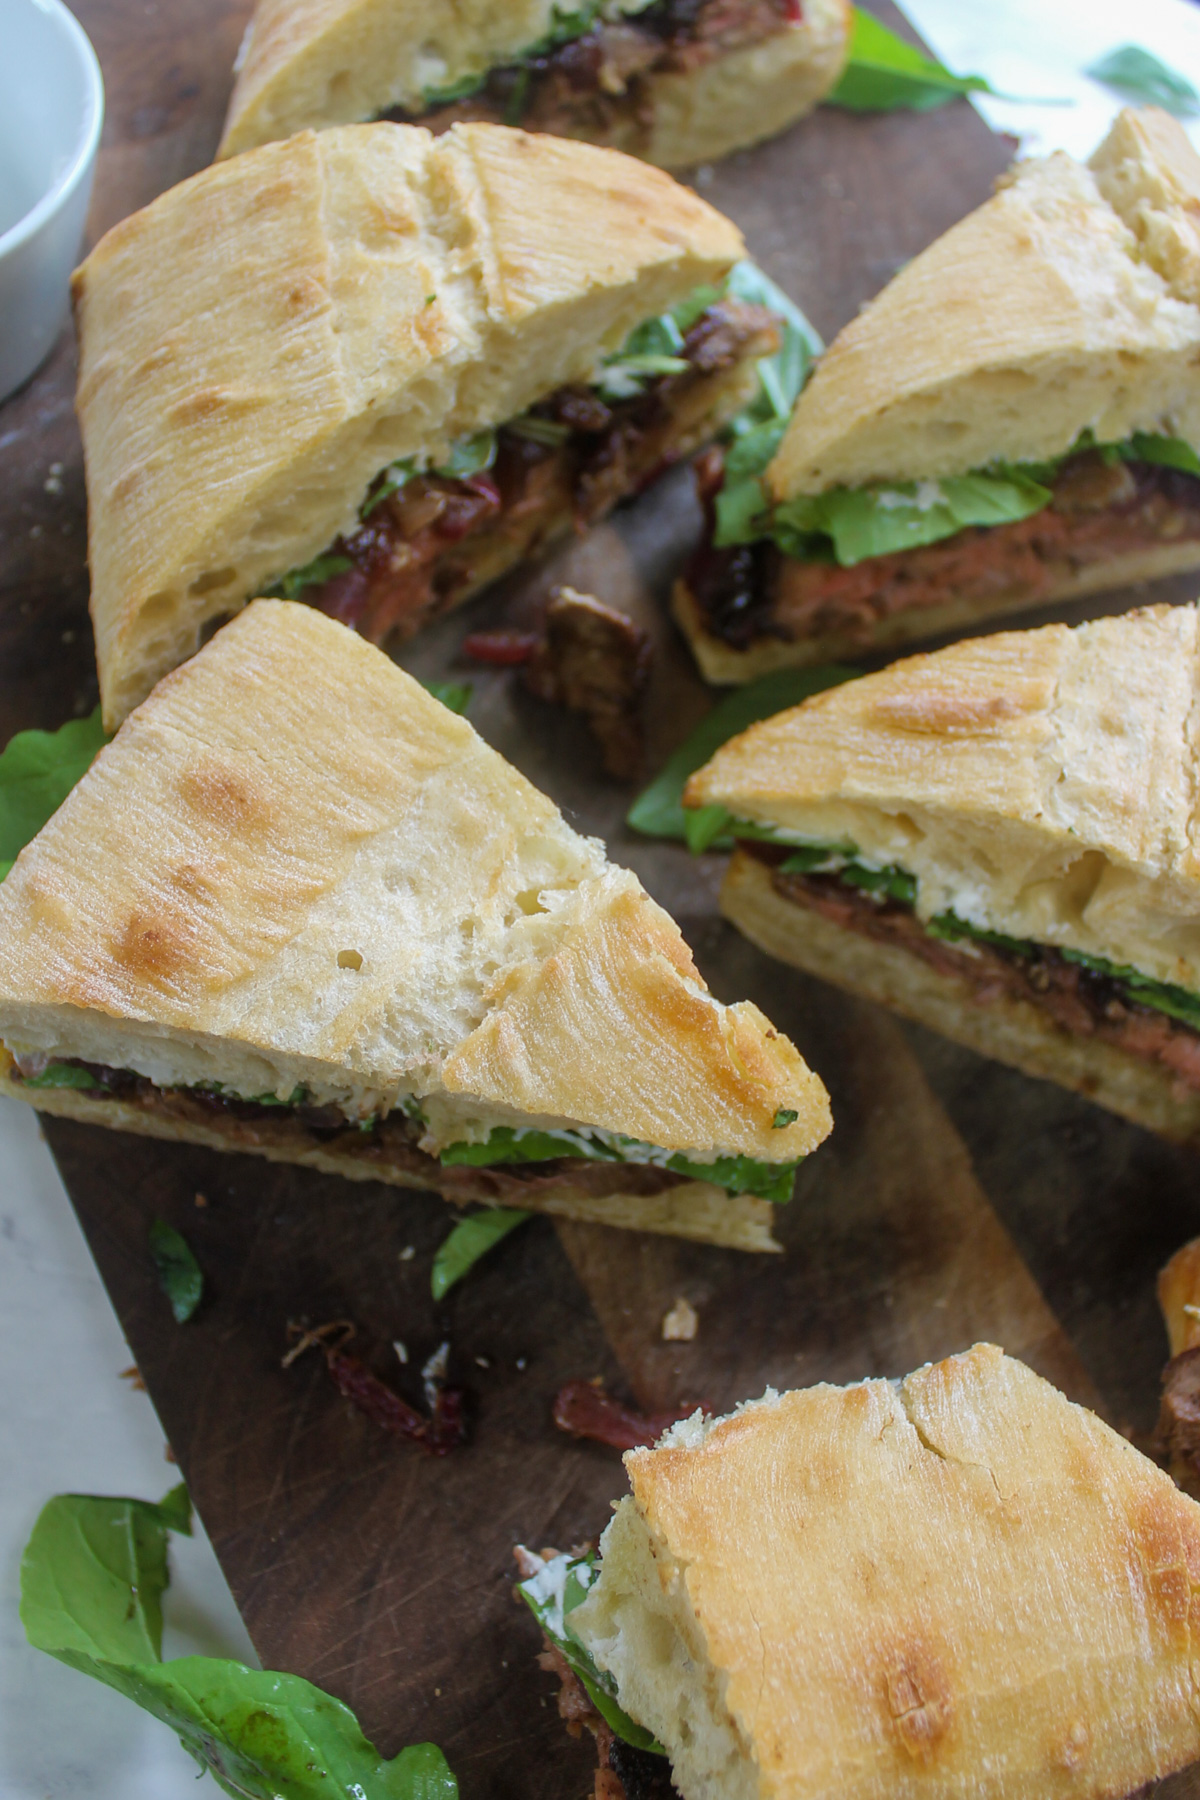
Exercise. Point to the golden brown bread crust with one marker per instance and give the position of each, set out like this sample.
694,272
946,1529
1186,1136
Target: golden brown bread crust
1040,783
260,341
720,663
695,1210
315,63
294,867
1032,320
1148,171
958,1586
1010,1030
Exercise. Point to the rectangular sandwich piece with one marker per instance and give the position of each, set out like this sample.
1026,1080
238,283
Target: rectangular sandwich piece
1014,420
375,370
674,81
298,907
998,840
958,1586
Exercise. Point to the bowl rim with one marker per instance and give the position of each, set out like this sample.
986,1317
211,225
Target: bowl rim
89,131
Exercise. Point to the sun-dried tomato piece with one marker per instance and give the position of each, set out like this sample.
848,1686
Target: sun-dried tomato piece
586,1410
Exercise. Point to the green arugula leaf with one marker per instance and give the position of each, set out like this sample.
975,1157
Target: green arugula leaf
61,1075
1170,453
314,574
455,90
879,521
1176,1002
92,1580
1138,76
884,74
396,476
742,1175
38,769
509,1144
469,456
472,1238
782,376
552,1596
454,694
178,1271
658,810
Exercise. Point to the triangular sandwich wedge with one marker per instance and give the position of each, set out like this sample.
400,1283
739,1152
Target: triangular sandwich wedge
675,84
998,840
298,907
375,370
955,1586
1014,420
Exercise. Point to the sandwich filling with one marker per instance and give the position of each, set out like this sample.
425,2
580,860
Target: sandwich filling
499,1164
430,535
1084,995
842,562
592,71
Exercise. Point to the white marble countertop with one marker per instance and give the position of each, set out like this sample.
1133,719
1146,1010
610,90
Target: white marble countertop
69,1422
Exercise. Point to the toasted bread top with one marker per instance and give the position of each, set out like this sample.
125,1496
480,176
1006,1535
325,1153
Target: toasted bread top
260,341
959,1584
1066,303
293,866
1041,783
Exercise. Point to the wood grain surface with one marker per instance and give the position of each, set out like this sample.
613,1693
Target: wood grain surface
955,1200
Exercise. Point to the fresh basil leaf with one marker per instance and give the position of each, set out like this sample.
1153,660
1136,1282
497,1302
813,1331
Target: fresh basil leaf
178,1271
552,1609
508,1144
658,810
1170,453
472,1238
61,1075
742,1175
895,883
785,1116
881,521
884,74
38,769
469,456
809,857
949,926
1138,76
314,574
92,1580
704,826
453,694
175,1510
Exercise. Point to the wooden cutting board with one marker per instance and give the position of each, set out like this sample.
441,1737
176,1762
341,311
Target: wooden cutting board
955,1201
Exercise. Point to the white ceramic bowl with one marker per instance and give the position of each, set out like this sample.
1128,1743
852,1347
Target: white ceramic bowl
51,111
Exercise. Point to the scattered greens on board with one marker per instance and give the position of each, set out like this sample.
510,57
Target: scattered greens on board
884,74
454,694
178,1271
38,769
552,1596
1140,77
658,810
847,525
736,1174
472,1238
92,1581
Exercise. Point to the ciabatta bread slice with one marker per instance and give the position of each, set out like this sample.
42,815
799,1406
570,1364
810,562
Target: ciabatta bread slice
956,1586
1040,784
1040,316
293,869
258,343
314,63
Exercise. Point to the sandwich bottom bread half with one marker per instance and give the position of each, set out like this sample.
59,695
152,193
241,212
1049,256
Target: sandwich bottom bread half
959,1586
1014,420
997,840
676,82
298,907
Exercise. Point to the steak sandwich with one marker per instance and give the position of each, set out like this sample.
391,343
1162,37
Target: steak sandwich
957,1586
999,841
674,81
1013,421
375,370
297,907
